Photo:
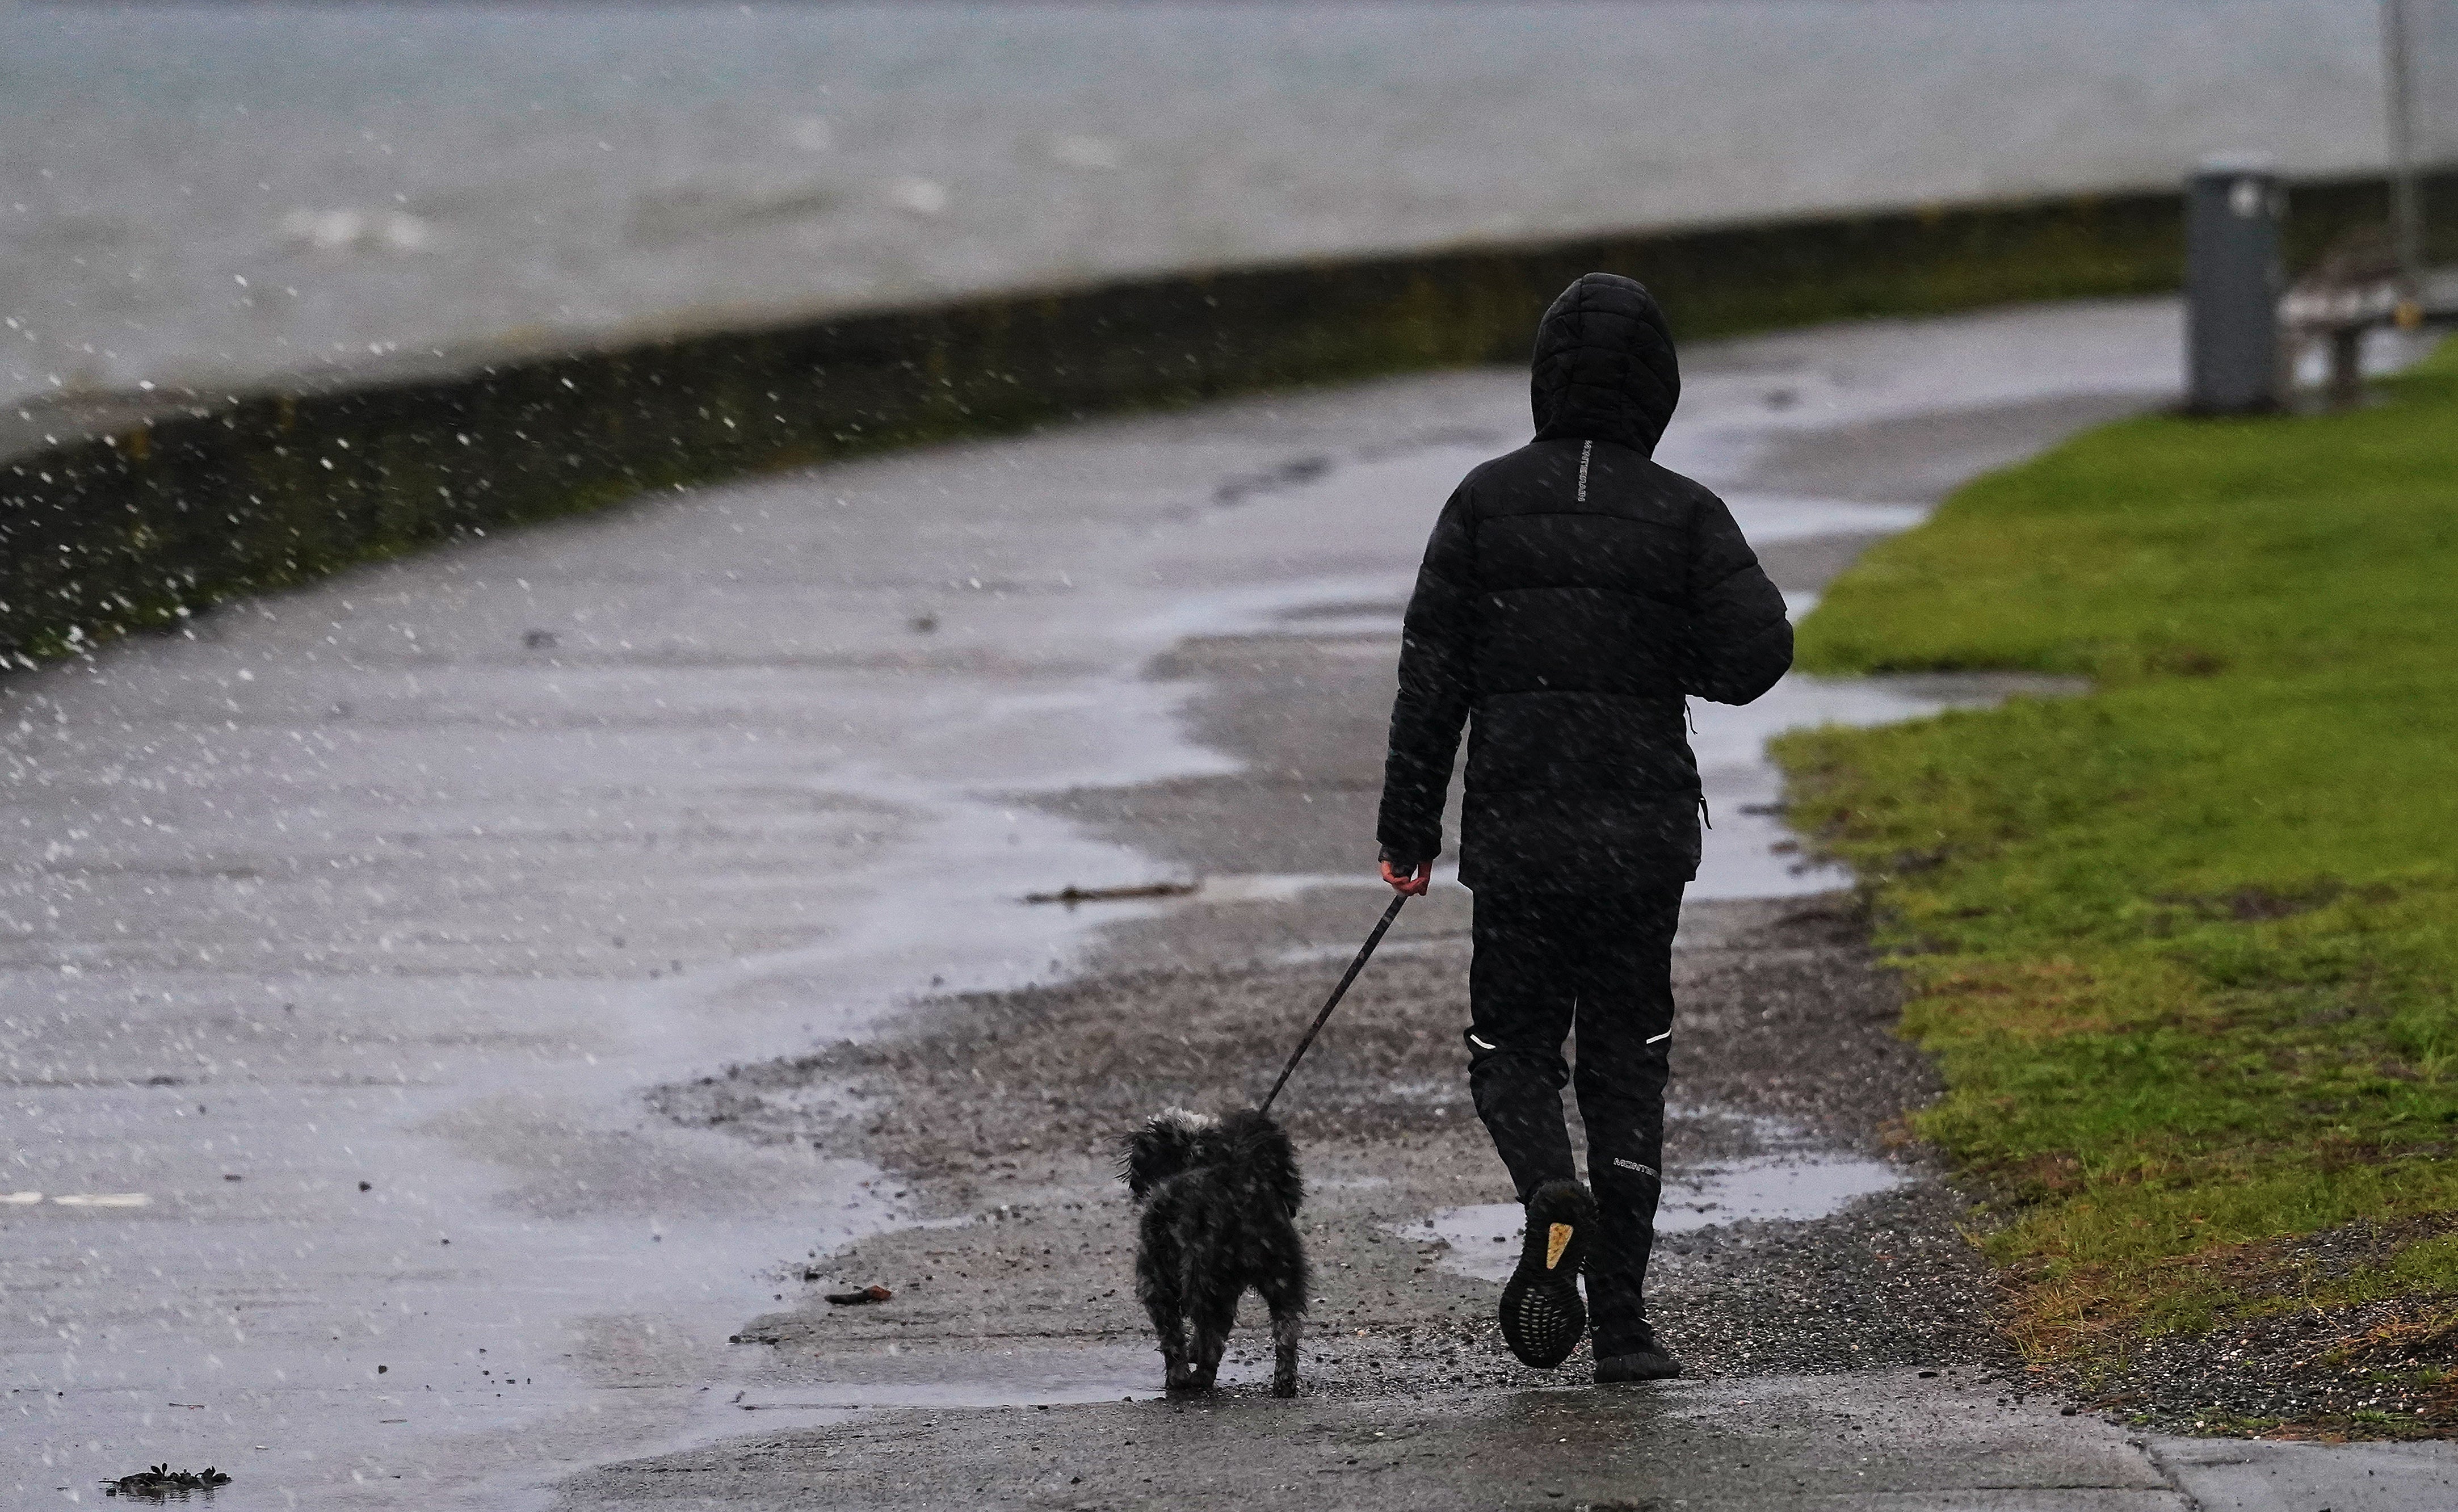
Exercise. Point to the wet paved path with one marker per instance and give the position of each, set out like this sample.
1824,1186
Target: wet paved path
344,940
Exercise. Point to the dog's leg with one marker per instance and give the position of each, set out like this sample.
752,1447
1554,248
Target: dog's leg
1287,1301
1214,1318
1169,1322
1177,1375
1159,1290
1283,1284
1285,1329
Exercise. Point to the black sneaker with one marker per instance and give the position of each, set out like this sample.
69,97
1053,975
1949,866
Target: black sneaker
1637,1359
1542,1316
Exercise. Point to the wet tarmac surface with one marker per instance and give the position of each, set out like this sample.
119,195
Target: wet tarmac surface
434,904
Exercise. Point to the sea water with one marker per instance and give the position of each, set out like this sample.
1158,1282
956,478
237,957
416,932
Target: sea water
212,194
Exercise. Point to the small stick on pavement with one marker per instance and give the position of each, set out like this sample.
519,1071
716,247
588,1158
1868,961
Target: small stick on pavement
1354,967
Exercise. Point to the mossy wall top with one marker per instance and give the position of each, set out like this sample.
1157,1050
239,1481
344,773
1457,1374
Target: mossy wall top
123,532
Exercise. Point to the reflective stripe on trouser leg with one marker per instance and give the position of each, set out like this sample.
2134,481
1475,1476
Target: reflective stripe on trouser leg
1521,1004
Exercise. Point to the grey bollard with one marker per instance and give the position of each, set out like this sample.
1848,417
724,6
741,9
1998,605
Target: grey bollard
2234,278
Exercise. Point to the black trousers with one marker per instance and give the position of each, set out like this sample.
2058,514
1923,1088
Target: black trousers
1545,965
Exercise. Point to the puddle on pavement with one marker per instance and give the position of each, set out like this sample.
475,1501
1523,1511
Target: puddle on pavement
971,1379
1792,1188
1747,851
1766,519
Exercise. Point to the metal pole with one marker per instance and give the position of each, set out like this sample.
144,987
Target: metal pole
2406,218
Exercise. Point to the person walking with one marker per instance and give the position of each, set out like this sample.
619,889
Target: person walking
1573,596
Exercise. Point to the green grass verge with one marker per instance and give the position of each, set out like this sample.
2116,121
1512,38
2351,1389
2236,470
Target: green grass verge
2186,949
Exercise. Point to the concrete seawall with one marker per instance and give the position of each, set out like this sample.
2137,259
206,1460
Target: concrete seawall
136,527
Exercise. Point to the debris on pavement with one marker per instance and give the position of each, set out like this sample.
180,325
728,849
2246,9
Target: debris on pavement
867,1295
161,1481
1071,894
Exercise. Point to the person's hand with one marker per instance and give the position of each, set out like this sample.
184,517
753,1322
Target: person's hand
1410,880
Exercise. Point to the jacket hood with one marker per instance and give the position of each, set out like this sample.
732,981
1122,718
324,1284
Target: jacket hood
1604,367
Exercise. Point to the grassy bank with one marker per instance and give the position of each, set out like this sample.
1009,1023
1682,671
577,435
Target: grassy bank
2188,948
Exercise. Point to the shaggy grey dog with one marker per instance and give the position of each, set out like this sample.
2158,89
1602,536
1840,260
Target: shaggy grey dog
1220,1200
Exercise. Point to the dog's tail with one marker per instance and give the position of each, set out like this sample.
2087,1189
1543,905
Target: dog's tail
1165,1146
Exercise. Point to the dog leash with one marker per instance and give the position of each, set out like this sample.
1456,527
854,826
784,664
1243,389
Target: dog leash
1320,1018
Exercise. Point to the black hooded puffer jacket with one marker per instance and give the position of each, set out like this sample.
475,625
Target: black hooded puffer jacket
1573,594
